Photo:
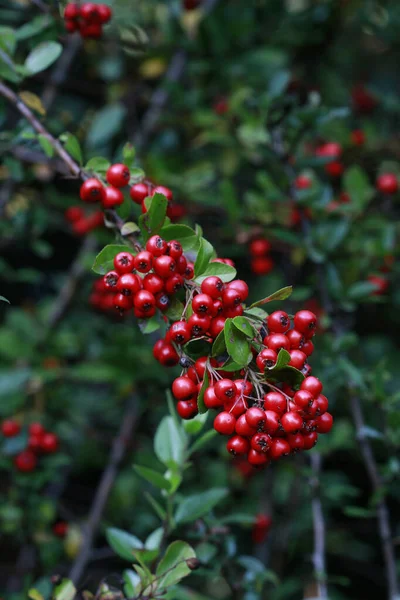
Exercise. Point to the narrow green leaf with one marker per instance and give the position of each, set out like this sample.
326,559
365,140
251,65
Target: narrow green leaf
158,509
170,442
196,506
224,272
203,441
65,590
200,399
42,56
243,324
152,221
173,566
98,165
204,255
72,146
3,299
219,345
123,543
45,145
281,294
128,155
153,477
237,345
195,425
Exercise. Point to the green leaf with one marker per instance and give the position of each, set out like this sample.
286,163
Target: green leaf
219,345
195,425
197,348
45,145
154,477
123,543
243,325
198,505
361,289
237,345
203,441
42,56
152,221
105,124
183,234
256,313
158,509
137,175
356,184
33,27
154,539
132,583
105,259
358,512
151,325
35,594
175,309
204,255
128,155
98,165
224,272
8,40
170,442
281,294
282,360
72,146
65,590
281,371
200,399
3,299
129,228
173,567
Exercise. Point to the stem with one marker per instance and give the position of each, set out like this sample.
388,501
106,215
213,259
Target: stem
318,557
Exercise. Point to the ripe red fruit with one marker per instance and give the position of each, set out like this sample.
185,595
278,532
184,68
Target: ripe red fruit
174,283
71,25
49,443
72,11
202,304
276,402
296,339
179,332
262,265
153,283
279,447
34,443
25,461
112,197
89,12
10,428
261,442
74,213
291,422
210,399
36,429
92,190
306,322
167,355
156,245
236,406
143,261
324,423
225,423
310,439
189,271
163,301
164,266
322,405
110,280
60,529
387,183
174,249
105,13
278,322
313,385
277,341
259,247
297,359
257,459
144,301
91,30
198,324
118,175
122,302
191,4
161,189
303,398
225,390
187,409
231,297
124,263
243,428
272,422
243,387
363,100
296,441
266,359
181,265
138,192
240,286
329,149
221,105
216,326
184,388
380,283
308,348
302,182
334,169
237,445
128,284
256,418
357,137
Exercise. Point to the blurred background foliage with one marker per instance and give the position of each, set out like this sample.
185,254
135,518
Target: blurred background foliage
208,98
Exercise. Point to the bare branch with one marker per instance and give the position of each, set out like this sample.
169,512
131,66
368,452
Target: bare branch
318,556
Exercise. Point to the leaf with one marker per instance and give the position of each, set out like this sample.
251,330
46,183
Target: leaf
173,567
154,477
204,255
158,509
65,590
45,145
197,348
33,101
42,56
35,594
183,234
203,440
358,512
170,442
196,506
152,221
237,345
128,155
3,299
200,398
195,425
219,345
129,227
243,325
356,184
72,146
281,371
154,539
8,41
361,289
224,272
132,583
33,27
281,294
105,124
257,313
98,165
123,543
105,259
147,326
175,309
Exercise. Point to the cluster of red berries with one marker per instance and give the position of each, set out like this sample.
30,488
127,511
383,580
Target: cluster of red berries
87,18
40,442
331,150
80,222
261,262
148,281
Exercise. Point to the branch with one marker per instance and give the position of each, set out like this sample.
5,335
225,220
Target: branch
318,557
128,426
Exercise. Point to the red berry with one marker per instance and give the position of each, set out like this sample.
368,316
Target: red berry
236,406
210,399
256,418
225,390
163,301
60,529
49,443
312,385
243,387
202,304
277,341
240,286
306,322
112,197
200,366
225,423
237,445
161,189
164,266
71,26
124,263
138,192
259,247
128,284
143,261
93,30
380,283
34,443
296,339
118,175
302,182
72,11
322,405
174,249
296,441
261,442
144,301
291,422
310,439
262,265
187,409
387,183
231,297
90,13
324,423
189,271
243,428
212,286
122,302
297,359
221,106
10,428
156,245
179,332
174,283
36,429
198,324
261,528
167,356
266,359
181,265
308,348
216,326
110,280
278,322
153,283
357,137
74,213
105,13
272,422
279,447
303,398
25,461
334,169
276,402
184,388
257,459
329,149
92,190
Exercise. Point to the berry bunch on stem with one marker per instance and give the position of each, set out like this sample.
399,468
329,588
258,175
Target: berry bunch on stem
87,18
40,442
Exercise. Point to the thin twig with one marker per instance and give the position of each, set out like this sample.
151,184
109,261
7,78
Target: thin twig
117,453
318,556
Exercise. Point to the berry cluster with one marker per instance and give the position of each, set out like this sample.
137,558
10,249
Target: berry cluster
82,223
40,442
87,18
261,262
148,281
